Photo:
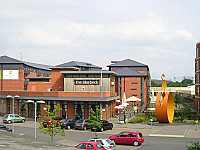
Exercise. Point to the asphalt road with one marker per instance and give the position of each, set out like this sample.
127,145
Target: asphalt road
73,137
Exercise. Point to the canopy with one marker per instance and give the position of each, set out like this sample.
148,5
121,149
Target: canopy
133,99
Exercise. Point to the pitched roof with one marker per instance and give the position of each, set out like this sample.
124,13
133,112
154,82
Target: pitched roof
5,60
8,60
127,63
127,72
78,64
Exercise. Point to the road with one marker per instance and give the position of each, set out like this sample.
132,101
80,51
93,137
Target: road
76,136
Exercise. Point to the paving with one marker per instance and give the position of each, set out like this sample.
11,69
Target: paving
167,130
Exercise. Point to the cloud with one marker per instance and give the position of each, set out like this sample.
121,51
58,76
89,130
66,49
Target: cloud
188,36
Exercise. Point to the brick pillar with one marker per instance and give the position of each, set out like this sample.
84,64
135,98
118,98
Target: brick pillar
70,110
86,110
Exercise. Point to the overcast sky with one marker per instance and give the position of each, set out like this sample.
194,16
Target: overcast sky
159,33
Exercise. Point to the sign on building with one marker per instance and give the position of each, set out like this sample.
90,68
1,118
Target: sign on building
86,82
10,74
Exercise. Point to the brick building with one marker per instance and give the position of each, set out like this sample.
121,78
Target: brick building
197,79
76,86
133,79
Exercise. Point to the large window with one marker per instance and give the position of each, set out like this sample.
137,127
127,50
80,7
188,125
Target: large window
93,106
52,105
64,109
22,107
197,52
79,110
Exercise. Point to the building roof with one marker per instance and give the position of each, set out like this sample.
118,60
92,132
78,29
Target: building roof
8,60
127,72
88,72
127,63
78,64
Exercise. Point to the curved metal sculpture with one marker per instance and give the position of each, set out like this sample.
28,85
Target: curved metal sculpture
164,105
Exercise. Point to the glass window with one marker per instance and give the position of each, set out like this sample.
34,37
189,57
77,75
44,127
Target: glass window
83,75
79,110
132,135
99,146
197,52
64,109
82,146
123,134
90,146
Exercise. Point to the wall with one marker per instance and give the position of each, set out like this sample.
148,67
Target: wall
70,86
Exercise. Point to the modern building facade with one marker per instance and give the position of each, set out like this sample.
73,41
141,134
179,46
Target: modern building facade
197,79
76,86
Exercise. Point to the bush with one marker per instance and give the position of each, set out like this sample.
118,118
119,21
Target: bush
142,118
195,146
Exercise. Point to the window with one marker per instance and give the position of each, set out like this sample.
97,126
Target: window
79,110
99,146
90,146
123,134
132,135
133,89
197,52
134,95
134,83
82,146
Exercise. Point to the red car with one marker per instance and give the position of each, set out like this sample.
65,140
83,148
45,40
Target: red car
128,137
49,120
90,146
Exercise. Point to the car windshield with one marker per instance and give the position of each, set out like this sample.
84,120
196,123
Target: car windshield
79,121
5,116
109,141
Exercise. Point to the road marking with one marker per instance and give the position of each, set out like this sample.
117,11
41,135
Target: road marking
164,135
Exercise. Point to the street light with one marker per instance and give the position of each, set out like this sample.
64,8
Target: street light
13,98
35,102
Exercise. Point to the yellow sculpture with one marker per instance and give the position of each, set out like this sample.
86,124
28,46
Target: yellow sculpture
164,104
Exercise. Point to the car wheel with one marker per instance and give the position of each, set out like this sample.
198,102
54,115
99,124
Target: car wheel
135,143
102,129
68,127
23,121
9,121
85,128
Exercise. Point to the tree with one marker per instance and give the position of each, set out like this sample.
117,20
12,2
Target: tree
52,129
95,119
195,146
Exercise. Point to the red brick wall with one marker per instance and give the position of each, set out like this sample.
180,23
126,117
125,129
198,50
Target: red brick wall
70,110
14,84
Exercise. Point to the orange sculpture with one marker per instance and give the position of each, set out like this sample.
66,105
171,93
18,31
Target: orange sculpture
164,104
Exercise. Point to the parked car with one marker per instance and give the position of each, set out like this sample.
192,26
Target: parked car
67,123
49,121
9,118
2,127
82,124
90,145
104,126
128,137
107,143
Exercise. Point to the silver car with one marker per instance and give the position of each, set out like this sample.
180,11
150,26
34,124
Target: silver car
10,119
107,143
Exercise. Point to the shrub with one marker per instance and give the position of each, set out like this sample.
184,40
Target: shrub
195,146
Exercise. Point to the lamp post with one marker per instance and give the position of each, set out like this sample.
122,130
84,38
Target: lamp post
13,99
35,102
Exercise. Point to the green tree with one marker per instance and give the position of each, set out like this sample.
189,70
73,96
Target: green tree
195,146
54,128
95,119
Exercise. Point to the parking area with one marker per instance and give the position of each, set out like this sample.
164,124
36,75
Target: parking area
74,137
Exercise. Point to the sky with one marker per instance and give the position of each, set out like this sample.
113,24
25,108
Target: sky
159,33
